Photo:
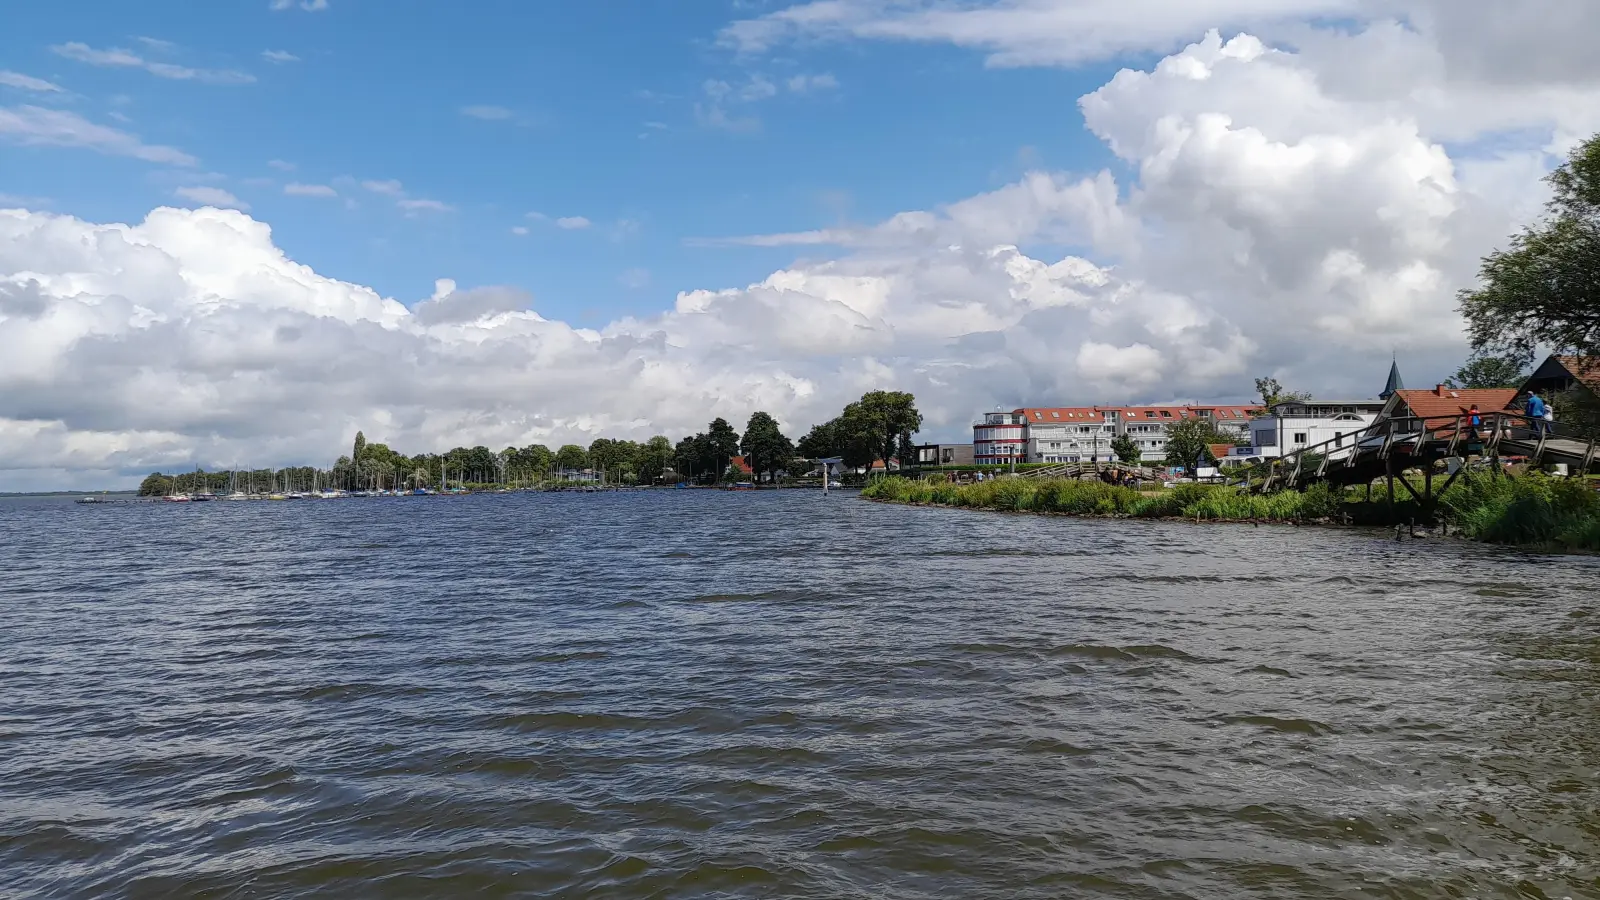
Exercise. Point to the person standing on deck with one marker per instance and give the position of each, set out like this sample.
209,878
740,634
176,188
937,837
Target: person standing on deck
1475,422
1535,410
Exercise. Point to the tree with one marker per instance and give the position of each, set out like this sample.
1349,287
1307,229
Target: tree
1488,371
572,458
155,485
1579,409
360,447
686,457
607,456
481,463
722,445
822,441
534,460
653,459
1189,444
857,437
765,446
1272,393
1544,291
1126,450
876,426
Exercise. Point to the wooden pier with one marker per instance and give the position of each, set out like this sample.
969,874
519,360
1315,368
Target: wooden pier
1390,446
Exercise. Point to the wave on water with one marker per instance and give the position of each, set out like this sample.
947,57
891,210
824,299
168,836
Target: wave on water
670,694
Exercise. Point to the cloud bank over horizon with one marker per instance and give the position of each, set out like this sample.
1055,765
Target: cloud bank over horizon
1271,212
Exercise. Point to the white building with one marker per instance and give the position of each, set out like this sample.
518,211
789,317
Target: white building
1296,424
1065,434
1069,434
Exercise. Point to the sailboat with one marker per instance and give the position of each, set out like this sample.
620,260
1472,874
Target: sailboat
233,487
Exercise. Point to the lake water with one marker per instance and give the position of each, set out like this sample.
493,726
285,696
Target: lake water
706,694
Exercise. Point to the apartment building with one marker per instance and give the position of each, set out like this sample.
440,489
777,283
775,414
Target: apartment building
1067,434
1085,433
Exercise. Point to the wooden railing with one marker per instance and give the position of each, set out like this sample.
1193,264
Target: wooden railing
1380,439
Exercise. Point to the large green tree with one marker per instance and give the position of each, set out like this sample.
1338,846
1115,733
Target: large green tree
877,426
1544,289
572,458
1489,371
653,459
1189,443
534,461
822,441
765,446
1125,449
721,446
614,458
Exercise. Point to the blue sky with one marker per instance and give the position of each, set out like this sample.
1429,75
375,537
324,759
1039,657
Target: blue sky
1243,200
500,109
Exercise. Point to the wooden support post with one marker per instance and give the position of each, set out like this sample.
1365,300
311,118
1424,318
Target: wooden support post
1409,489
1452,479
1388,472
1427,483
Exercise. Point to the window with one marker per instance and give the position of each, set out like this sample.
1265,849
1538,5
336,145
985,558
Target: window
1149,414
1299,437
1055,415
1166,414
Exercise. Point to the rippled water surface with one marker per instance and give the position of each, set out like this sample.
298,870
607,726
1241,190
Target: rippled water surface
704,694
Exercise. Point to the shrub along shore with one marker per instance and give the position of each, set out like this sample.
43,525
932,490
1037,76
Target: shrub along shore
1531,511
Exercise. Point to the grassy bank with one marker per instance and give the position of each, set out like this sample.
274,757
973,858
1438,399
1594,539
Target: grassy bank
1531,511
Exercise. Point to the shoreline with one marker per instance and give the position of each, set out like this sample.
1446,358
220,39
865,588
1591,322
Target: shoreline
1535,514
1416,532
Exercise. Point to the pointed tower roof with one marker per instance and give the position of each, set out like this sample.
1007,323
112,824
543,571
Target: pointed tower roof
1394,384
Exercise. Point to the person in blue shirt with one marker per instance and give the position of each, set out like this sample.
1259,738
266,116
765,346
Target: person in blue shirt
1535,411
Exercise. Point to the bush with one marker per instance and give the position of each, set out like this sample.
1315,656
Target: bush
1533,510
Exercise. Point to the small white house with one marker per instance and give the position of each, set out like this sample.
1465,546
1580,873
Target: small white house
1296,424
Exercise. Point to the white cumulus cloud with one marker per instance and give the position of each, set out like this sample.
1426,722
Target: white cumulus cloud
1274,216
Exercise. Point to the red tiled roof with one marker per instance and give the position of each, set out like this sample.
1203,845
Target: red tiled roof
1233,410
1060,413
739,463
1454,402
1584,368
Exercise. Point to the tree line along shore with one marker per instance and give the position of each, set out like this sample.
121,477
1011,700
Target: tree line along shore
877,426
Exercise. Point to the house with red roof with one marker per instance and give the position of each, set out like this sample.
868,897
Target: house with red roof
1443,403
1057,434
